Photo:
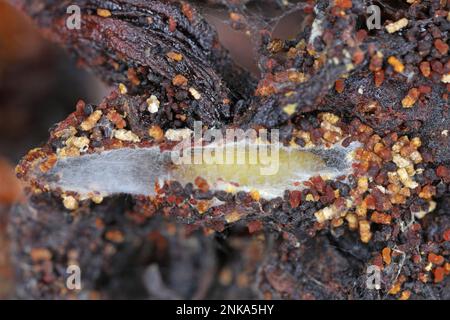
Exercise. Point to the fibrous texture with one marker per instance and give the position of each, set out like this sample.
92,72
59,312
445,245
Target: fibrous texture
375,100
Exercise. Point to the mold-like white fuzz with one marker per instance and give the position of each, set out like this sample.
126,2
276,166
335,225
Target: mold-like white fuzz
136,170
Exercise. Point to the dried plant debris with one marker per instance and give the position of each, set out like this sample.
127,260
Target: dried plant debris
149,46
363,121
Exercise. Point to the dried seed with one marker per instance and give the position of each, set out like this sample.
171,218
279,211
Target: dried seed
91,121
126,135
396,64
386,253
103,13
446,78
122,88
396,26
435,259
381,218
156,133
70,202
425,68
411,98
153,104
178,134
179,80
195,93
175,56
364,231
232,217
290,108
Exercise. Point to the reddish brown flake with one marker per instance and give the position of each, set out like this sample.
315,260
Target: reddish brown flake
49,163
439,274
417,258
318,183
172,24
179,80
361,35
265,90
441,46
187,11
295,198
132,76
202,206
425,89
114,236
386,253
443,173
358,57
254,226
437,66
379,78
381,218
385,154
378,261
446,235
425,68
339,85
117,119
156,133
171,198
427,192
202,184
436,259
343,4
411,98
80,106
